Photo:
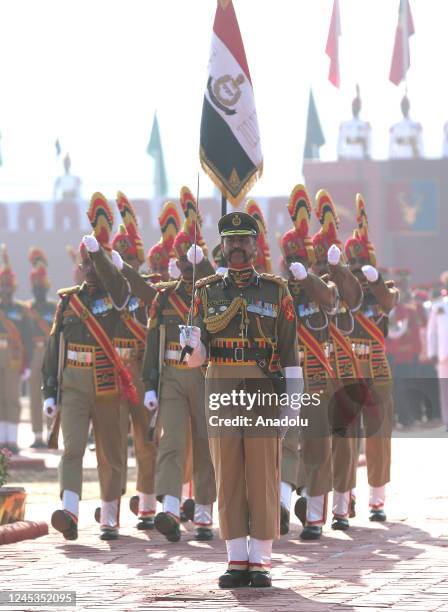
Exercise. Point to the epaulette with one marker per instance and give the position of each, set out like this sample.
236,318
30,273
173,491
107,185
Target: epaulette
69,290
274,278
207,280
325,278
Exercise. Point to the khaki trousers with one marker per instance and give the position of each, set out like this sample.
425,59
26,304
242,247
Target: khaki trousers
247,466
182,400
378,420
9,388
79,404
291,458
145,451
35,389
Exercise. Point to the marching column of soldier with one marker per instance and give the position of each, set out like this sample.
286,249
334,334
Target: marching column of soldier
146,352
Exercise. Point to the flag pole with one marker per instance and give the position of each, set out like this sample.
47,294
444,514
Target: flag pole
223,205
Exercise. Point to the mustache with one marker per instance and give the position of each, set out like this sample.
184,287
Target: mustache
238,250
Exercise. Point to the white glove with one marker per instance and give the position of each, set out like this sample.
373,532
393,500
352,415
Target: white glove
195,253
151,402
333,255
50,408
370,273
221,271
173,270
91,243
191,335
298,270
117,260
25,374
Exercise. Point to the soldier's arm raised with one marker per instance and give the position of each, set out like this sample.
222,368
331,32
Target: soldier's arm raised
323,293
113,281
139,286
349,288
386,294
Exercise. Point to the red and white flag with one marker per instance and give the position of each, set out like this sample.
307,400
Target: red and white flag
400,57
332,48
230,149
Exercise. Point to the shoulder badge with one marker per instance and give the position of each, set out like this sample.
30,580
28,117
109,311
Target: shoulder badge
274,278
207,280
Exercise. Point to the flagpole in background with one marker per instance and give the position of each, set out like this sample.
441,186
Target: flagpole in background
230,148
401,59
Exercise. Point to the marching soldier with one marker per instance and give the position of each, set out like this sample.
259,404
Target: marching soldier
314,301
41,314
354,140
368,339
344,418
129,342
160,257
15,354
245,323
437,345
405,139
82,378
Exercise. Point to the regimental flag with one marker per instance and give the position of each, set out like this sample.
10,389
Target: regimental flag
154,150
230,149
400,57
332,48
314,136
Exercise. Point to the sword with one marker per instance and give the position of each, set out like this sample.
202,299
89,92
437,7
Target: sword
188,350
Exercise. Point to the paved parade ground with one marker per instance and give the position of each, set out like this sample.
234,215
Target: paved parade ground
400,565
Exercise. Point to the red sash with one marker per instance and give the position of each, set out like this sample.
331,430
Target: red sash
345,345
105,344
179,306
136,328
18,352
371,328
308,340
42,324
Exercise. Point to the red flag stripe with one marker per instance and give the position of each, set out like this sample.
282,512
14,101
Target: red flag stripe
227,29
332,48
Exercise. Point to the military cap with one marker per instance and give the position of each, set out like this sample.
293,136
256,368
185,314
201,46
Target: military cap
238,224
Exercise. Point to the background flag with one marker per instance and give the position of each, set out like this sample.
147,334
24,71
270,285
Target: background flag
332,48
230,149
154,150
400,57
314,136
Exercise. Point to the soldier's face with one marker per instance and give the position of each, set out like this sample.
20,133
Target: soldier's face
239,250
185,267
320,267
355,264
88,271
132,261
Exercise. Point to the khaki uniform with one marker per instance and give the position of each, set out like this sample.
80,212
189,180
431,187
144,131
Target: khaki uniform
88,390
181,399
41,317
243,326
16,351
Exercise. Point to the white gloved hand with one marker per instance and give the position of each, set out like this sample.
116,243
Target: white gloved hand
189,335
334,255
298,270
173,270
50,408
91,243
195,252
221,270
371,273
117,260
150,401
25,374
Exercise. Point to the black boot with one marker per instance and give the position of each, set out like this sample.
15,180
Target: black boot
133,504
167,526
187,510
378,516
145,523
63,522
340,524
300,510
311,532
203,534
284,520
233,579
109,533
260,579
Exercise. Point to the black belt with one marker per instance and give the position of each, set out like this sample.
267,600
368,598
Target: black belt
241,353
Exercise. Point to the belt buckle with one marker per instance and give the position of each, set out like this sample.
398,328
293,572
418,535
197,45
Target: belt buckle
238,353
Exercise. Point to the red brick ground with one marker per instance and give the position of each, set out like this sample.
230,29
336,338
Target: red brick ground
401,565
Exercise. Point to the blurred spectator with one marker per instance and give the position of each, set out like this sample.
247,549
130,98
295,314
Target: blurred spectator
354,135
67,187
406,141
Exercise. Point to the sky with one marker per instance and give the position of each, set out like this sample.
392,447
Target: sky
92,73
